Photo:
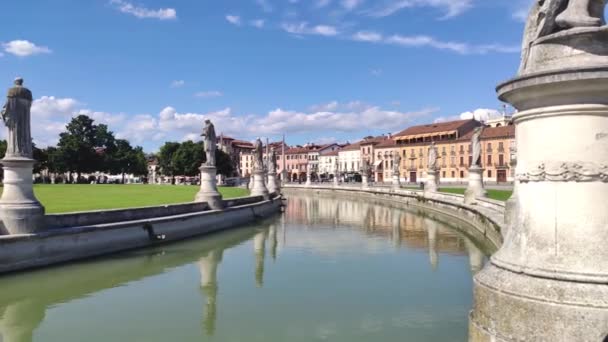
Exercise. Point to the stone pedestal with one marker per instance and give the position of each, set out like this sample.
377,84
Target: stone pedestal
20,211
365,181
259,188
273,184
396,181
432,181
208,192
336,180
308,179
475,188
548,281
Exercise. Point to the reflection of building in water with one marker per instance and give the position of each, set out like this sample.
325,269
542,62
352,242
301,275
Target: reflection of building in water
208,268
259,245
19,320
403,227
274,242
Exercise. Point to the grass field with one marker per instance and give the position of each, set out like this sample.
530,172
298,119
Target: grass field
499,195
61,198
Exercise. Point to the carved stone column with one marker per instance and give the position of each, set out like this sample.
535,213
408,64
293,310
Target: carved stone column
432,182
548,281
475,188
208,192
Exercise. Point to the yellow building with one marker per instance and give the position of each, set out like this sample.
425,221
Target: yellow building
453,141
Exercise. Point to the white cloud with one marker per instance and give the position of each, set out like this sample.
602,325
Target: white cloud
208,94
259,23
350,5
322,3
376,72
48,106
326,107
458,47
481,114
143,12
234,19
303,28
24,48
178,83
367,36
451,8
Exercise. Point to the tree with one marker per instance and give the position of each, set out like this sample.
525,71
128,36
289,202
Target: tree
165,159
188,158
223,163
77,148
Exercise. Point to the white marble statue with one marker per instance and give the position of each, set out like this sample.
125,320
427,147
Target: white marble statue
273,161
16,117
258,154
548,17
433,156
210,143
476,145
365,167
397,164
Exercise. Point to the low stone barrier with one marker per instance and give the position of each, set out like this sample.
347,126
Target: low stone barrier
105,232
486,217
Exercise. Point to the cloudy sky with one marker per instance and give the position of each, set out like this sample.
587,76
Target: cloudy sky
316,70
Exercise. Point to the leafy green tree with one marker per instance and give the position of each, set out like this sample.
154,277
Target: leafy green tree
223,163
165,159
77,146
139,162
188,158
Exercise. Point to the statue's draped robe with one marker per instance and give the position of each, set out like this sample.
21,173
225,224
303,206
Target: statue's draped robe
397,164
16,116
476,142
259,157
432,158
210,144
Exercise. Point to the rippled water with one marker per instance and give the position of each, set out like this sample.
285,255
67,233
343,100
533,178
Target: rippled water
327,269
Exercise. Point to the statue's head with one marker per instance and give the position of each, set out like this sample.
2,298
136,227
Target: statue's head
207,122
18,81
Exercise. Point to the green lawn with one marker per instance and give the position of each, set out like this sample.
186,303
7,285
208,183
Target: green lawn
499,195
61,198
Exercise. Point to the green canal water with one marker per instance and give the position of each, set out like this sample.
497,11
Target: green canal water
327,269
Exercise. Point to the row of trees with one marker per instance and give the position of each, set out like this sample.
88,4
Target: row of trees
184,159
87,147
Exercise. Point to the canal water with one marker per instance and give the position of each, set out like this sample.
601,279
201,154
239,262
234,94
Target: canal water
327,269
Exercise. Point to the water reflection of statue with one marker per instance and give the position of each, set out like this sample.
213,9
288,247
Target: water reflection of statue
16,117
433,157
258,154
210,143
209,286
476,145
259,245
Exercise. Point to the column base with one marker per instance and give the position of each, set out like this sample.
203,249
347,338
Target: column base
208,192
364,182
20,211
396,182
516,307
273,185
475,189
259,188
431,183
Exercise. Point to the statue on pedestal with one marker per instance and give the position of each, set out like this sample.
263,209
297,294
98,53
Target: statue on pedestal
433,155
476,145
365,168
258,155
16,117
210,143
397,164
273,161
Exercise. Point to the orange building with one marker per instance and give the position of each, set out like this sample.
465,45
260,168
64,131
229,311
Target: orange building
453,141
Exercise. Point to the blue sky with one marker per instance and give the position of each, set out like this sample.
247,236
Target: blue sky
316,70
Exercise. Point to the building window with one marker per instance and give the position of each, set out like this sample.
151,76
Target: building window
461,161
443,174
470,160
490,146
489,173
489,160
453,174
461,174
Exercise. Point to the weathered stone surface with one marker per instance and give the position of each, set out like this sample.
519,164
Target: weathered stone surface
475,187
208,191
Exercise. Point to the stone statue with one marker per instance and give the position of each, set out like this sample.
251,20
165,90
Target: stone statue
258,155
210,143
365,168
476,144
548,17
16,117
397,164
336,165
433,155
273,161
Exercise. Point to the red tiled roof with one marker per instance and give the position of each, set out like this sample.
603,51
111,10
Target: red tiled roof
331,153
387,143
352,147
433,128
504,132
